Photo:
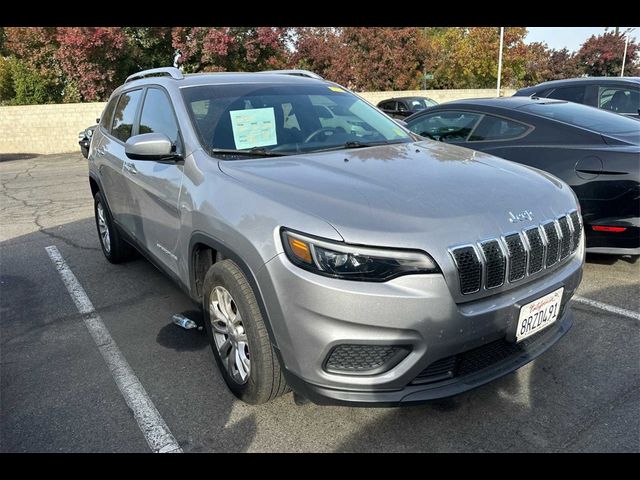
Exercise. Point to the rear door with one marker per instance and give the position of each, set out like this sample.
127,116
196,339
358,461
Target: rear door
111,150
156,185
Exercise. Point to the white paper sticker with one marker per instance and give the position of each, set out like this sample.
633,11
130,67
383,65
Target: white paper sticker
255,127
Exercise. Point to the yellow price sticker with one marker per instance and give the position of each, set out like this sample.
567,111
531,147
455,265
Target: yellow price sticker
336,89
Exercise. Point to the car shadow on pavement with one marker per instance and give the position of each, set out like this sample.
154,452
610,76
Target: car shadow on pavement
5,157
603,259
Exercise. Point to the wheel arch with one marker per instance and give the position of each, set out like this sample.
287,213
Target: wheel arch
200,240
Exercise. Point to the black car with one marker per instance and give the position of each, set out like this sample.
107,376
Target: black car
84,140
403,107
617,94
596,152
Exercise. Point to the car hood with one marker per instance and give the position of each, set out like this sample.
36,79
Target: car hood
415,195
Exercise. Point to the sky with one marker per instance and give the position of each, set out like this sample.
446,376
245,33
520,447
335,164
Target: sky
570,37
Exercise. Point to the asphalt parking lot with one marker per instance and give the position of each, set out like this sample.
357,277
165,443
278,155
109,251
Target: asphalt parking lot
57,394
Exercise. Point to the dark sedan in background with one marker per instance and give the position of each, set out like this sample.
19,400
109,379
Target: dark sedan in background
616,94
403,107
596,152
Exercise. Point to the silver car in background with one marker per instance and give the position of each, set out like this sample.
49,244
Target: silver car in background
353,265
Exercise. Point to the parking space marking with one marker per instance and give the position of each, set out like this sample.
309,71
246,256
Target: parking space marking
608,308
153,427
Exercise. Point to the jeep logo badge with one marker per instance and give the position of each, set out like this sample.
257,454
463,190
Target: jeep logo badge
520,217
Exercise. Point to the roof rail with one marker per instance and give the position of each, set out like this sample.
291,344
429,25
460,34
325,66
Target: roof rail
298,73
172,72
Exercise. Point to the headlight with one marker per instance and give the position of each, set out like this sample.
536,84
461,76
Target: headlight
89,132
351,262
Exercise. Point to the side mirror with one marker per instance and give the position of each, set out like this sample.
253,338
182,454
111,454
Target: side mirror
150,146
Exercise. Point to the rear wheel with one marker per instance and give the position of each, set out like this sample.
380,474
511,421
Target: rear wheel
115,249
238,336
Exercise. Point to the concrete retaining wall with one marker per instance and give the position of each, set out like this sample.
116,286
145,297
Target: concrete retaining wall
45,129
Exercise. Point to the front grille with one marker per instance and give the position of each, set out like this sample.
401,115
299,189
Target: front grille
352,358
536,250
475,360
553,243
516,255
469,269
565,243
496,263
577,230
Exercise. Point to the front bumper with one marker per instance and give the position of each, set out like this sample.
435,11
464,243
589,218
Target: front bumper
310,315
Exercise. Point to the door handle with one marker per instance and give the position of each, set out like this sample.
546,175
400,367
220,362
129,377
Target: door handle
131,168
100,151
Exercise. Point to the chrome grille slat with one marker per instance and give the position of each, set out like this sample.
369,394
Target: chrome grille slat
536,250
517,257
577,230
493,262
565,242
553,243
469,269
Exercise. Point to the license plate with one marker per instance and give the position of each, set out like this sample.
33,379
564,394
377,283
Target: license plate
539,314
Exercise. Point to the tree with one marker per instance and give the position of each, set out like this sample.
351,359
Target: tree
213,49
95,60
601,55
150,47
35,69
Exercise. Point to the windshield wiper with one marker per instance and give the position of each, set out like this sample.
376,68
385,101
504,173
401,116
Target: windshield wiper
354,144
252,152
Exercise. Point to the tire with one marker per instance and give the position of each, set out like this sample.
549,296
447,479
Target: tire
115,249
256,358
85,151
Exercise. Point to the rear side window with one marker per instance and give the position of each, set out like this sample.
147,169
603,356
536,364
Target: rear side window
446,125
496,128
570,94
157,115
107,115
125,114
619,100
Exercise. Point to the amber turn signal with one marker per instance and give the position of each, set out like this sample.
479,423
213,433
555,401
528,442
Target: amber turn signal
300,249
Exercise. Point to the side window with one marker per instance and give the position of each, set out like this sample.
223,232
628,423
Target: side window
125,114
387,106
107,115
157,115
402,107
570,94
496,128
447,125
619,100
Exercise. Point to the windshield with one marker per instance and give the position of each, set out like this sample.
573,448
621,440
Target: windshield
286,119
586,117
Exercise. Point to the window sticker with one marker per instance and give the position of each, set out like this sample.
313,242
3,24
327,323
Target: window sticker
254,127
336,89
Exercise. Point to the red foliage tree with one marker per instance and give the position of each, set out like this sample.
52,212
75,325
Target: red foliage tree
94,58
601,55
230,48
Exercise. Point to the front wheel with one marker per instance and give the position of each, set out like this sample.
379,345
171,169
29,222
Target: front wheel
239,337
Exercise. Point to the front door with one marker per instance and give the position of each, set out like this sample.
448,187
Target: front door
156,185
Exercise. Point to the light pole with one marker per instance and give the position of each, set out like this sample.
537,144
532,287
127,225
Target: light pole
500,62
626,44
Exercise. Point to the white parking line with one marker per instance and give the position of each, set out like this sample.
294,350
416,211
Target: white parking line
608,308
153,427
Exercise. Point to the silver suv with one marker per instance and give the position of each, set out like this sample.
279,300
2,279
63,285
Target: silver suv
353,265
